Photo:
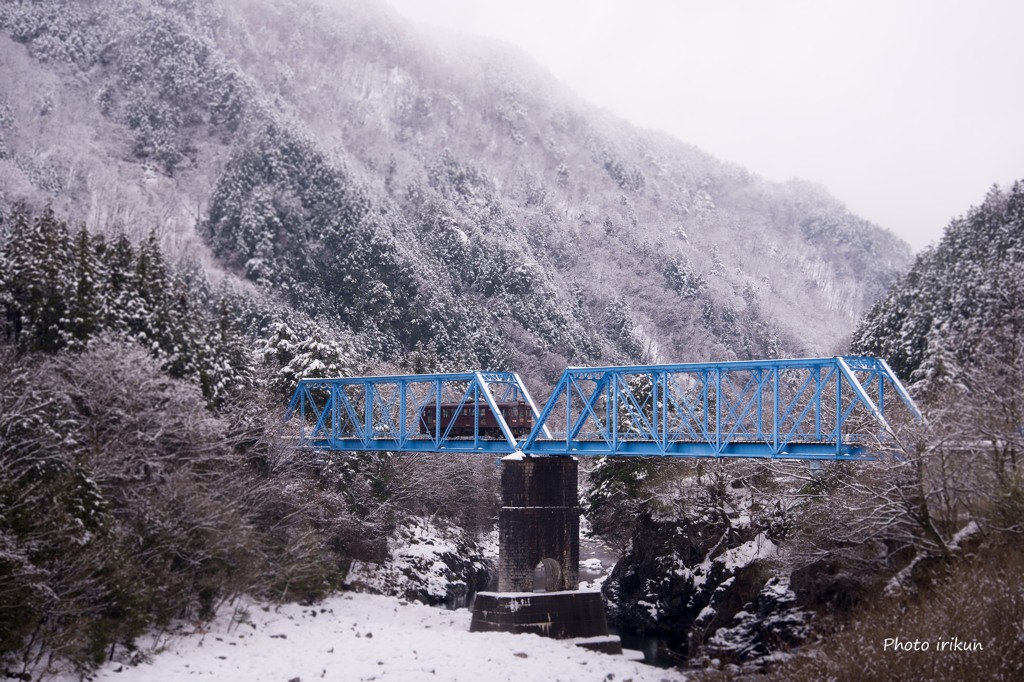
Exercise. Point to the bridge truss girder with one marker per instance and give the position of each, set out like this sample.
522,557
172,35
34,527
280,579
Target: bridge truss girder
403,413
823,408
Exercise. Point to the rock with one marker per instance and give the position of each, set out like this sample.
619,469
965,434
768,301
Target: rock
429,563
684,579
772,620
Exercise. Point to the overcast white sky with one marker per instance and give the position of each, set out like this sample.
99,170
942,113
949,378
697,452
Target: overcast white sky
906,110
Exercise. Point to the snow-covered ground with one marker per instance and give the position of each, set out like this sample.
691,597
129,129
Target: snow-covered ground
367,637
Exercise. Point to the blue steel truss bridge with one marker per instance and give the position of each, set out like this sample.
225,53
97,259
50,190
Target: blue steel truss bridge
819,408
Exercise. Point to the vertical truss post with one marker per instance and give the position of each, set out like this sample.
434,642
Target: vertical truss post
839,412
718,410
402,407
335,412
775,409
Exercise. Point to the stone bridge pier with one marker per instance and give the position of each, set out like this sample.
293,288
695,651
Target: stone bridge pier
539,557
539,525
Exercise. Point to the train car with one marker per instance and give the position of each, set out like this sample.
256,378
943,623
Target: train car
517,415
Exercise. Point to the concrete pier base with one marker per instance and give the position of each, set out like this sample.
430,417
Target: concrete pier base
569,615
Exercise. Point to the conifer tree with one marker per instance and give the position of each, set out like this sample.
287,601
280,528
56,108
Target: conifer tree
314,353
86,304
122,300
150,319
226,363
39,282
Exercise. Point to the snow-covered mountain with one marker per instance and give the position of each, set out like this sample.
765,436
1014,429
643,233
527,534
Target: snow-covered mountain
449,202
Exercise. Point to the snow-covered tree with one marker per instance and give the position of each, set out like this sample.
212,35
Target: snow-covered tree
40,286
957,293
312,354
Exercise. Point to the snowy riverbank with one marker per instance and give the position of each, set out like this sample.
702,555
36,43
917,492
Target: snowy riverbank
366,637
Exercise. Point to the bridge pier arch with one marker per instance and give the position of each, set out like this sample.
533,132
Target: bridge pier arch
546,576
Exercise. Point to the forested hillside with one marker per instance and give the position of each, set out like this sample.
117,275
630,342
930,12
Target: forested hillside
449,203
962,302
949,509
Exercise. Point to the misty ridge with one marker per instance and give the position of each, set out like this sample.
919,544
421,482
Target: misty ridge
448,199
204,201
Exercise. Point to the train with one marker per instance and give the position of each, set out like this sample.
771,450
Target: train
517,414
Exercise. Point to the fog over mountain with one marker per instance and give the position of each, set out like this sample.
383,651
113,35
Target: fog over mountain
450,204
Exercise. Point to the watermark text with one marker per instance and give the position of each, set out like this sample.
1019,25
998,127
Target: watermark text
940,644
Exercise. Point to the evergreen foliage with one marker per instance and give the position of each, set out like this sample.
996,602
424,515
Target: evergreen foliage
960,295
287,218
293,356
59,290
125,500
615,500
163,78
